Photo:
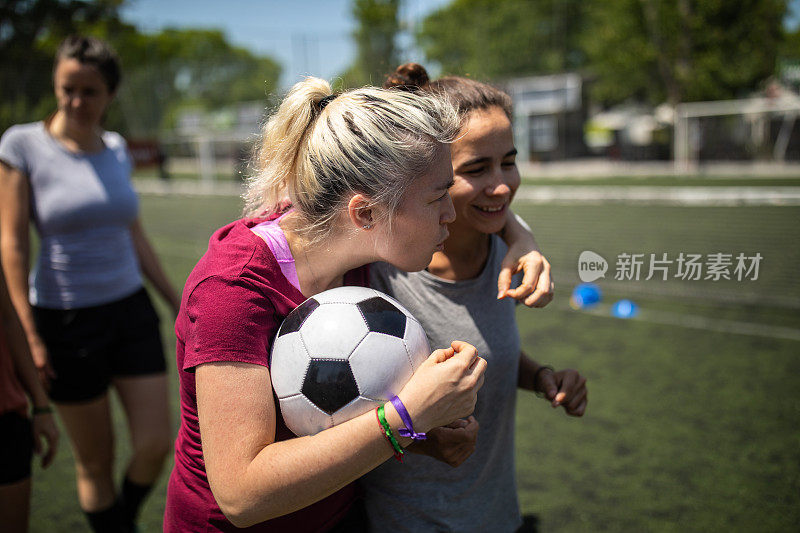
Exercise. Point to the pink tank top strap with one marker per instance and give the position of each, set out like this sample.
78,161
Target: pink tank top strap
271,232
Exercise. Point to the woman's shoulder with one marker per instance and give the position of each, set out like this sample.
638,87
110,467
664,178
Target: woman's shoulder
20,144
230,248
114,140
28,128
23,132
239,256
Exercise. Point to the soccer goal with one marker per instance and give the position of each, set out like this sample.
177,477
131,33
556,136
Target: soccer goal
754,129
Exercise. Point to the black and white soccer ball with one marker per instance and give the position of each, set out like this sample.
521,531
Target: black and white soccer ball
341,353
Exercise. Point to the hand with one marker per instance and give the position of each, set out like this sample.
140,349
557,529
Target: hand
451,444
445,387
536,289
42,361
44,427
566,388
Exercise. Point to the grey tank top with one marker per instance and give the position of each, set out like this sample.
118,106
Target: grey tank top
82,206
423,494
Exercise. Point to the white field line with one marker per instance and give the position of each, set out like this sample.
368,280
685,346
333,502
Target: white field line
710,324
187,187
684,196
594,168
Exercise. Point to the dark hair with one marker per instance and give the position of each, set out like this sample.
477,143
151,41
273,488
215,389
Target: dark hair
465,94
95,52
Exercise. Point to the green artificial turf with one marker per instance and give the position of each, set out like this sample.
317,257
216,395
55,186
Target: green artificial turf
688,429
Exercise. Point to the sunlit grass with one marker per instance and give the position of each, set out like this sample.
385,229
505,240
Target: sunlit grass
687,429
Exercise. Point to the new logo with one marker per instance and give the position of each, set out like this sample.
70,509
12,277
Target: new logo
591,266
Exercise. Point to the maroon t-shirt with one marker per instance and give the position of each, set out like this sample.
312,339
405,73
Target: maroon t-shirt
232,306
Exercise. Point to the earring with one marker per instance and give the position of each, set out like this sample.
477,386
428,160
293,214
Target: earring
367,226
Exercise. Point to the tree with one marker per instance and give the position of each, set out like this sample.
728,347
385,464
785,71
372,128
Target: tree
490,39
163,72
678,51
30,30
645,50
375,37
179,68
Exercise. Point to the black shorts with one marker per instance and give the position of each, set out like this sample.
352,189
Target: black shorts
90,345
16,448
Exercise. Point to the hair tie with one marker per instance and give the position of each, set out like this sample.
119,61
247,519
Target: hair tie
325,101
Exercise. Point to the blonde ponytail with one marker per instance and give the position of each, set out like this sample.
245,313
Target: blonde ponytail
369,140
281,141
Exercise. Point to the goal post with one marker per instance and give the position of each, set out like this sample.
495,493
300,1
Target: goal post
766,123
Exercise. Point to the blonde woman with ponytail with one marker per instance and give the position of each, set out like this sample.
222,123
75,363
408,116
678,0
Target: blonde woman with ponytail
367,173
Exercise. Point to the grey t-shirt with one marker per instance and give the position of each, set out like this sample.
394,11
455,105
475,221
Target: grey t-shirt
82,206
423,494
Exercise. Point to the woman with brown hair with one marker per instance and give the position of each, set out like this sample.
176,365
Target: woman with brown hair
453,297
87,317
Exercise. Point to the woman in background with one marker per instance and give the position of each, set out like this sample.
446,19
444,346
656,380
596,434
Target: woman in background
87,317
452,297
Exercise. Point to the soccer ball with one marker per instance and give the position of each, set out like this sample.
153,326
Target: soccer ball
341,353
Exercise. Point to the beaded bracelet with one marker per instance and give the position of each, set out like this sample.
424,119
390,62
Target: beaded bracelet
46,410
540,394
387,431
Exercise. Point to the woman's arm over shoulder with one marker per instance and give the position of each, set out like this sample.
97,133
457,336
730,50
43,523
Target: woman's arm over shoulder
536,289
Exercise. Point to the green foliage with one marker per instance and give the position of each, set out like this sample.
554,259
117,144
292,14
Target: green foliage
790,48
645,50
163,72
495,39
378,26
789,55
179,68
30,31
656,50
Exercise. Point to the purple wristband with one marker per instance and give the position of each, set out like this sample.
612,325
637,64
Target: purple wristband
407,431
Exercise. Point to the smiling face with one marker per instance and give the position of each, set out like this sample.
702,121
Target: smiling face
485,172
81,92
419,227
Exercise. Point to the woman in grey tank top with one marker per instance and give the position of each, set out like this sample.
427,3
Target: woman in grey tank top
88,320
455,298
